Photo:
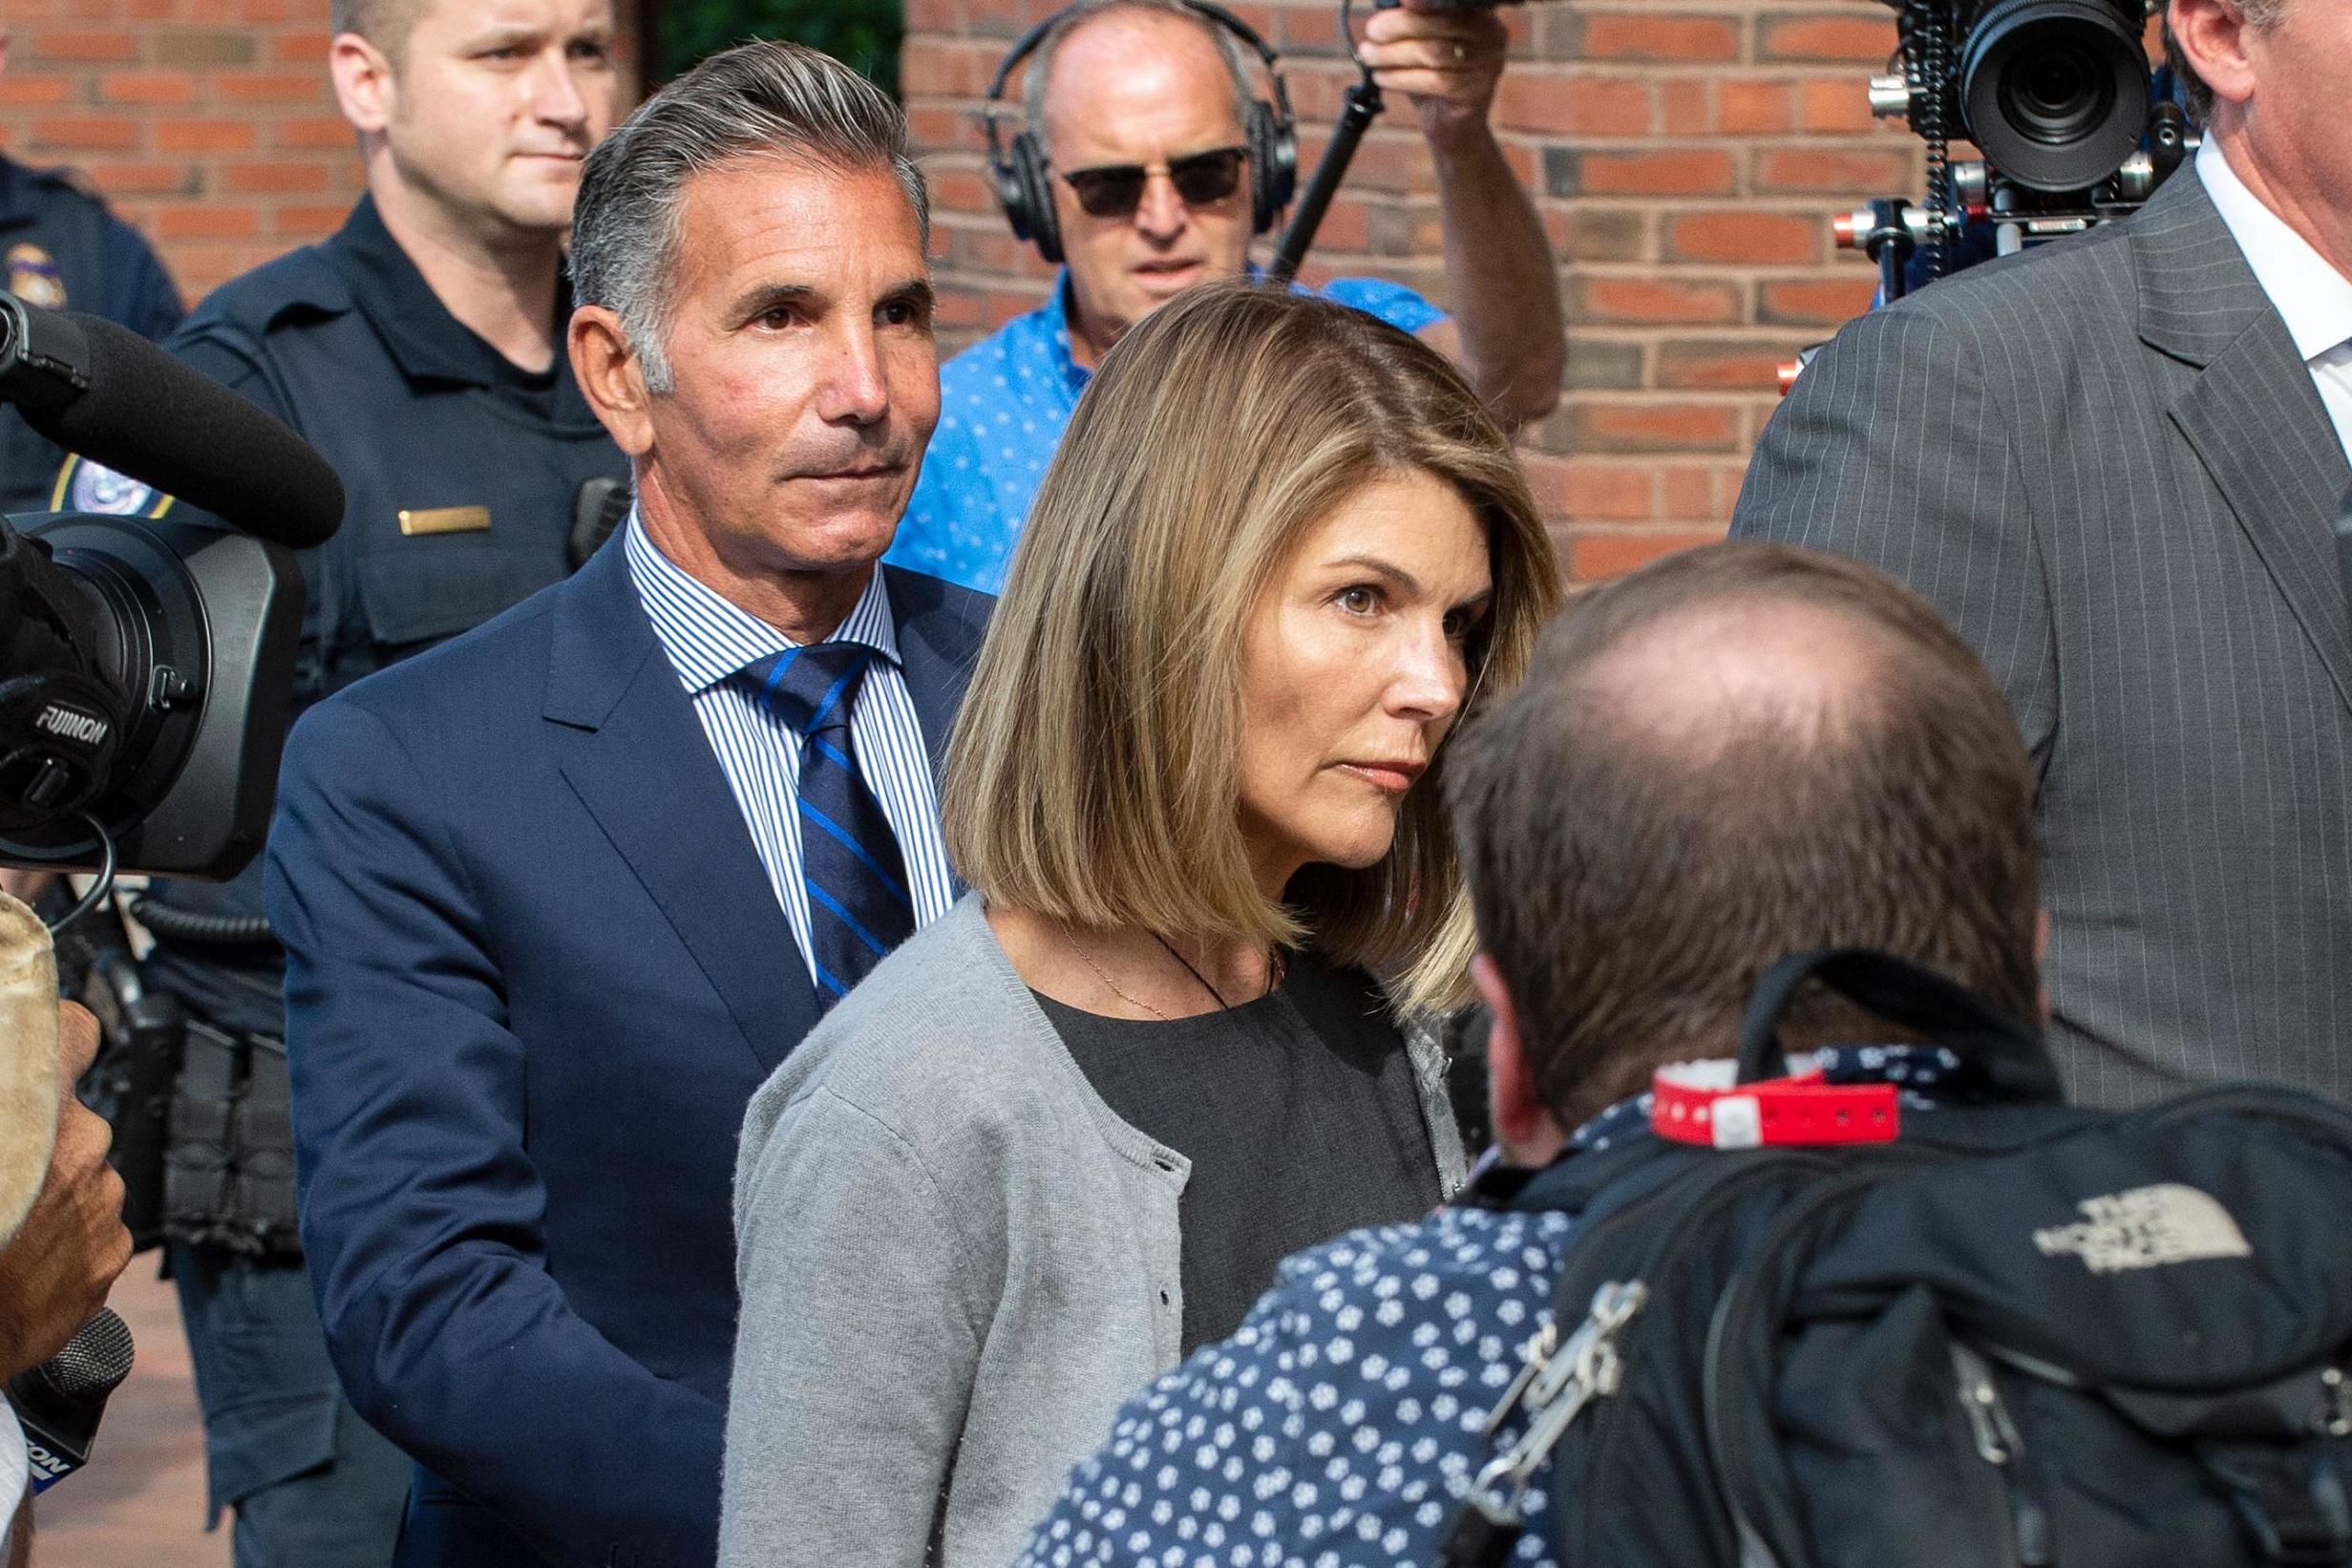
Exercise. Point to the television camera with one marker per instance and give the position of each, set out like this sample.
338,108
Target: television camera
2056,97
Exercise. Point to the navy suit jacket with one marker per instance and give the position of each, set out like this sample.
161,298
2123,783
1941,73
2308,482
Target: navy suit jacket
535,972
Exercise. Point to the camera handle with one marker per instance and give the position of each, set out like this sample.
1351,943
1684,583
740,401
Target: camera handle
1358,109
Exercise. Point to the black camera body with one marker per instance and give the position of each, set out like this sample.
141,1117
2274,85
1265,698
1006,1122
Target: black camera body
147,664
146,667
2058,96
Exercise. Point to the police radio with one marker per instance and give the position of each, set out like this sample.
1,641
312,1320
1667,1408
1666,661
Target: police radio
146,664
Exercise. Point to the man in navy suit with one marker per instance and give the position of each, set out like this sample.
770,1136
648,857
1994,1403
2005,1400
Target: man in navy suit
558,894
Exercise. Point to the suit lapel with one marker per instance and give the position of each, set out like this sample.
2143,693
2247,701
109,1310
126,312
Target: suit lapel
2253,415
939,631
639,761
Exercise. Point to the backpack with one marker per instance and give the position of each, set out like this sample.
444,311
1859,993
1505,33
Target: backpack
2022,1333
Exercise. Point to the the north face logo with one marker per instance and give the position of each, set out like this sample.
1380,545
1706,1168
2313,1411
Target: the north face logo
2145,1227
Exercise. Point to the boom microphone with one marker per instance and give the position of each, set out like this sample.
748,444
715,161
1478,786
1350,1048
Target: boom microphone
58,1403
109,395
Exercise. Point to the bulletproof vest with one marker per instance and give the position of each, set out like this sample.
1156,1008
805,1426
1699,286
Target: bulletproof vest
55,261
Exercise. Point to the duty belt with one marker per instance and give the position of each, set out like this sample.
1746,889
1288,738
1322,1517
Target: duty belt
228,1178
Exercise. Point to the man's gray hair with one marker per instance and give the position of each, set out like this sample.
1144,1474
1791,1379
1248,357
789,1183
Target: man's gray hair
1041,63
756,100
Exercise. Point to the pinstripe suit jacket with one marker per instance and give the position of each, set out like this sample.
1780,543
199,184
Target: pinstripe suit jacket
2107,464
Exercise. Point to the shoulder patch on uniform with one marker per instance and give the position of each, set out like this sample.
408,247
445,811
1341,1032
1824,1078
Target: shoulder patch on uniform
33,276
85,486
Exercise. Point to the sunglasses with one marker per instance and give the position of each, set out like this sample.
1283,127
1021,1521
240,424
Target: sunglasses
1115,190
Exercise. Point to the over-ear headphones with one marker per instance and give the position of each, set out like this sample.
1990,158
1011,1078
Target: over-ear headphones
1024,184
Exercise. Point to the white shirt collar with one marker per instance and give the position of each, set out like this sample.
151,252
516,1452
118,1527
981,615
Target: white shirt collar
2313,298
708,639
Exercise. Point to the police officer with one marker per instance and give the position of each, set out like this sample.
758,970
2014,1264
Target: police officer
420,349
61,249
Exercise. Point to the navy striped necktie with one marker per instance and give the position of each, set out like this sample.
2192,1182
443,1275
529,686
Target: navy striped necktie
859,907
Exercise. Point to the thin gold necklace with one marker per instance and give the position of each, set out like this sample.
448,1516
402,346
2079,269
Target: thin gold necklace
1104,975
1273,971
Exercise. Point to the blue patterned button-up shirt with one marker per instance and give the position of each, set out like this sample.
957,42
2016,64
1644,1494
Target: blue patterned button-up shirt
1003,405
1342,1423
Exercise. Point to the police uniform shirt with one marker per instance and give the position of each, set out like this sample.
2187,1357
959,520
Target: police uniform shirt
461,475
62,250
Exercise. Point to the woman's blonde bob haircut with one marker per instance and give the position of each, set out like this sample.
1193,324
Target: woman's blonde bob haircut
1094,773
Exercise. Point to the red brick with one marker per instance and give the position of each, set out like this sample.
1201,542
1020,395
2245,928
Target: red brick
1686,108
1611,35
1858,36
1595,555
301,49
268,86
1834,103
1745,108
1681,425
119,178
1720,365
276,177
1685,493
1745,235
313,133
173,135
1610,490
1856,173
156,89
1586,106
207,220
87,133
1697,171
22,92
59,44
1816,302
1658,298
305,222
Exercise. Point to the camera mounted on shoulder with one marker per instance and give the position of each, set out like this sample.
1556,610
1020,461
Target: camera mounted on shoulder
2057,95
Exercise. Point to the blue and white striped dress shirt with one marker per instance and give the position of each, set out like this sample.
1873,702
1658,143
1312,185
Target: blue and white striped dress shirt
708,640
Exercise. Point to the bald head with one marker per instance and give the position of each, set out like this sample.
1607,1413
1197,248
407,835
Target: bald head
1107,61
1696,678
1737,753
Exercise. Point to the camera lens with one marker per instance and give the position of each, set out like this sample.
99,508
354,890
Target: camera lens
2055,91
2057,99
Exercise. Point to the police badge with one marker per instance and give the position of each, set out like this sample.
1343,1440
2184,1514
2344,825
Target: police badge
33,276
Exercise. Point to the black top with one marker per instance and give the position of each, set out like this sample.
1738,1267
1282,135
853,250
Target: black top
1297,1112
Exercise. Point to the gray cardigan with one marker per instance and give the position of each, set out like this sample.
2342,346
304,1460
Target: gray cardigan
956,1264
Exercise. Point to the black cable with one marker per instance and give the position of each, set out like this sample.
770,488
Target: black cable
103,886
201,930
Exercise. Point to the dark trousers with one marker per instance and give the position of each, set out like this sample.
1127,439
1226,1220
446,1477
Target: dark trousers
312,1484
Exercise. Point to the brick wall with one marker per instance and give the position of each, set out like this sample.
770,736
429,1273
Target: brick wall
1685,157
210,124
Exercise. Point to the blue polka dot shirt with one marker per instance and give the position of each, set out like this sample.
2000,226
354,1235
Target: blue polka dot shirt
1344,1422
1003,404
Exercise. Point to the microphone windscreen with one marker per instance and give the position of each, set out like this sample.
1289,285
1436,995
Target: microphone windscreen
168,425
93,1363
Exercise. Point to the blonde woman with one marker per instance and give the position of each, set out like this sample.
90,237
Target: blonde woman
1177,1029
